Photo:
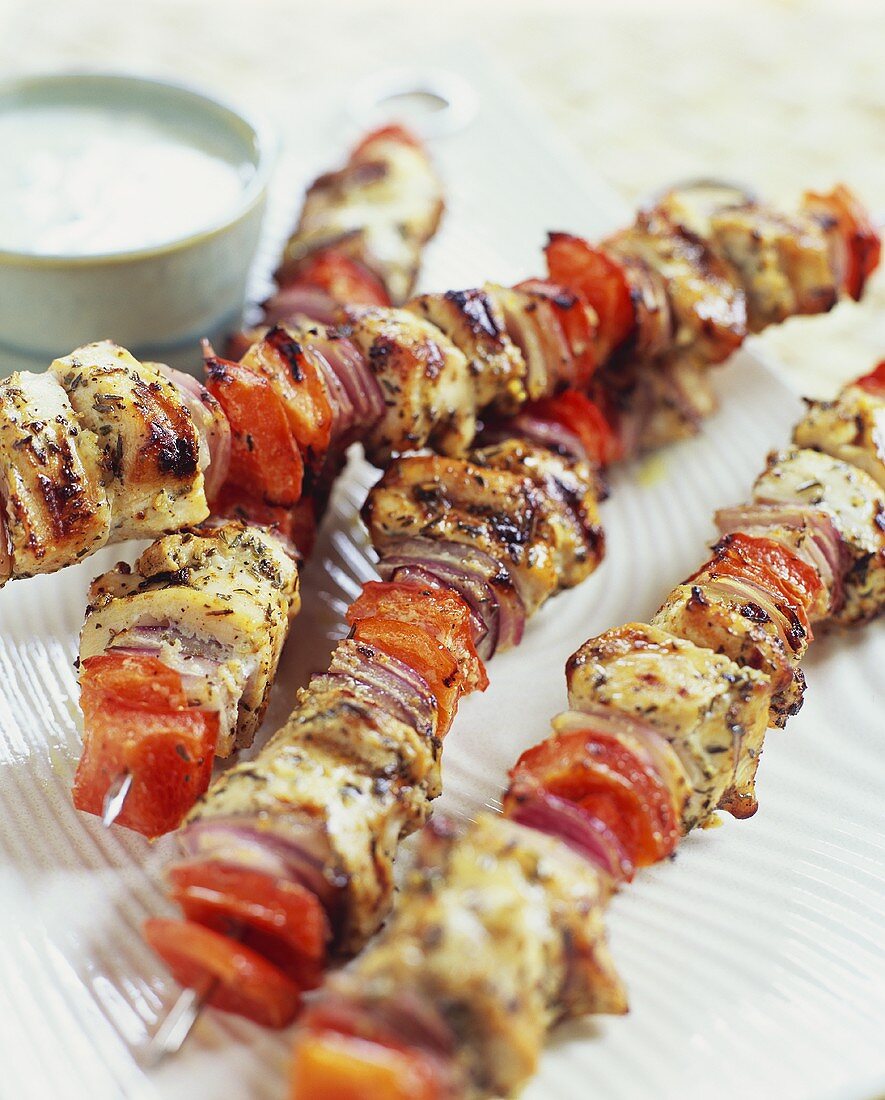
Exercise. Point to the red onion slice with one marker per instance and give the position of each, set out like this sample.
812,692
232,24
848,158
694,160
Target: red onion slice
353,372
294,849
585,834
825,551
485,585
398,689
475,563
405,1016
343,410
294,303
544,433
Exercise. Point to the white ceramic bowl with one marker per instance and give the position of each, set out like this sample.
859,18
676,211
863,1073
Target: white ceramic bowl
158,300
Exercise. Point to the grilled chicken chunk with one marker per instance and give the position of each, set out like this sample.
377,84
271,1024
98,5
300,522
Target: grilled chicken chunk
568,511
52,489
149,444
784,262
213,604
857,505
851,428
707,302
490,510
307,788
500,931
330,708
474,322
713,712
727,619
426,381
382,208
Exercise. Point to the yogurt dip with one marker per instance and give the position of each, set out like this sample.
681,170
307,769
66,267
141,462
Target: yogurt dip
82,180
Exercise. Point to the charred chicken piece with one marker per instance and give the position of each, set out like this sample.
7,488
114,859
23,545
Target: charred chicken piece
426,382
475,324
151,460
56,506
490,510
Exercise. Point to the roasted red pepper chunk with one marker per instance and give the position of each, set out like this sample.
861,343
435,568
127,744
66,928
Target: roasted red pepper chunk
137,723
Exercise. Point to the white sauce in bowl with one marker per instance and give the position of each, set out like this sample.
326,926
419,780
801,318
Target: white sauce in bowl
81,181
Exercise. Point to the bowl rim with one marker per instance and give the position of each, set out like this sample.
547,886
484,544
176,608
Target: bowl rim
266,150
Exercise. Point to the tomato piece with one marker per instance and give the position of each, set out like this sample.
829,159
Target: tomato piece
602,776
127,680
232,977
265,459
862,242
298,380
416,648
439,611
583,418
283,921
780,572
394,132
332,1066
136,720
342,278
874,382
576,264
579,324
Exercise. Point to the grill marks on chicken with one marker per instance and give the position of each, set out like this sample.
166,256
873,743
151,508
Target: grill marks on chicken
57,509
428,393
97,449
475,323
148,440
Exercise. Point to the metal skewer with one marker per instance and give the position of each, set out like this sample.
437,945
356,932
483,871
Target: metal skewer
115,798
177,1024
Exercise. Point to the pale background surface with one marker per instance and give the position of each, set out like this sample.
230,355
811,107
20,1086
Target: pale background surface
783,95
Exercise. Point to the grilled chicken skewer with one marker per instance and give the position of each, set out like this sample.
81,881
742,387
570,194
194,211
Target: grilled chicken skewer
498,933
178,654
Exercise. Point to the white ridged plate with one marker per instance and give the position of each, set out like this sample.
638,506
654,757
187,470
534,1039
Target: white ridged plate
755,960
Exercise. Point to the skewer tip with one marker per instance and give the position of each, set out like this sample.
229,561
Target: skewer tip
175,1027
115,798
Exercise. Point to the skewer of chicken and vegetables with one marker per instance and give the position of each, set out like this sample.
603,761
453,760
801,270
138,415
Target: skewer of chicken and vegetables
498,931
